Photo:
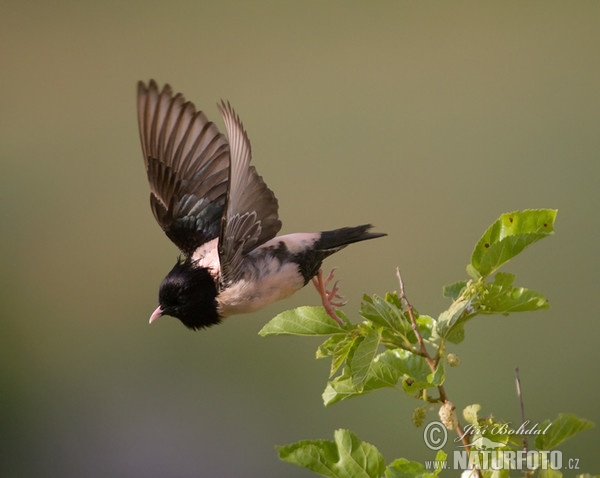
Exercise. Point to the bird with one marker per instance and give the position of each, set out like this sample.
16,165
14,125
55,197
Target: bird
215,207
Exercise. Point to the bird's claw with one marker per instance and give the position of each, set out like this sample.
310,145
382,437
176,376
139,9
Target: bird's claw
330,298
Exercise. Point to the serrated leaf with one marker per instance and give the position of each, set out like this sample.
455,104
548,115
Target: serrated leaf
327,348
341,388
470,413
345,457
338,347
425,324
409,365
403,468
362,359
457,334
341,354
453,291
497,297
383,313
509,235
500,297
394,299
440,456
437,378
560,429
307,320
386,370
450,322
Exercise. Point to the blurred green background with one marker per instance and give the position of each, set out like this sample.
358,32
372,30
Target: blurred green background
428,119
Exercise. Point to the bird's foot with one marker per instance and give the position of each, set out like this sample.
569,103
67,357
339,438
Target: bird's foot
330,298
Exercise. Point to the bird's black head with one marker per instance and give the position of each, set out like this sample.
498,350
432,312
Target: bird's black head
188,293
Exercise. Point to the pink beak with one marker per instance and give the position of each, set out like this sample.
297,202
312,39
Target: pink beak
156,314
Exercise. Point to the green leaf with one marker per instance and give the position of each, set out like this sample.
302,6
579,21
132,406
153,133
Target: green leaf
425,325
363,357
479,297
509,235
437,378
452,291
345,457
457,333
339,348
470,413
501,297
450,322
341,388
440,456
501,473
394,299
386,370
327,348
472,272
560,429
409,365
403,468
549,473
305,320
384,312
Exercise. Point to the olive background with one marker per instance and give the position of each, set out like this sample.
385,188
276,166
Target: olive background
427,119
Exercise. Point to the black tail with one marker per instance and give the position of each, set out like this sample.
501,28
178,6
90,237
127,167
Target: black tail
334,240
309,262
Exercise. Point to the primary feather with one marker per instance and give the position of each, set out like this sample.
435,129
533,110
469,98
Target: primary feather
187,163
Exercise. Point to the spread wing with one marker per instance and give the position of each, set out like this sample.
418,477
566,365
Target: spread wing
187,162
251,217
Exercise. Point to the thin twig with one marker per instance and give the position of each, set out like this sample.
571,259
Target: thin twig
521,403
413,321
430,361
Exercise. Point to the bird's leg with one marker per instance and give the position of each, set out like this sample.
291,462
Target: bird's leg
328,297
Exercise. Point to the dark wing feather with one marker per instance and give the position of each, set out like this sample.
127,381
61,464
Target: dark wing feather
187,162
251,218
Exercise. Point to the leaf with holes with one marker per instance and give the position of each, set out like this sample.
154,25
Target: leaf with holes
508,236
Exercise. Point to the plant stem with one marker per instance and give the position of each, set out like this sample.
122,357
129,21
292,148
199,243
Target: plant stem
413,322
432,362
522,404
